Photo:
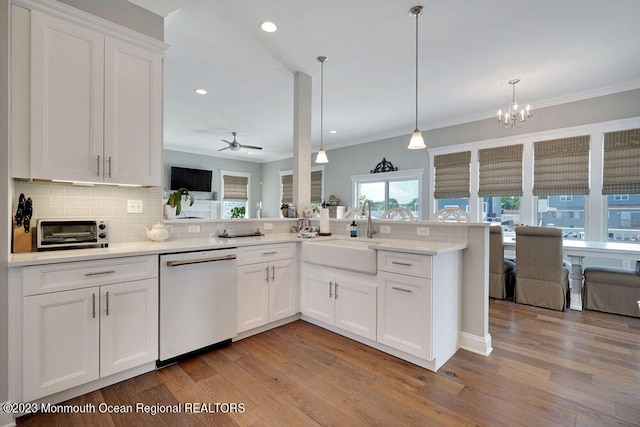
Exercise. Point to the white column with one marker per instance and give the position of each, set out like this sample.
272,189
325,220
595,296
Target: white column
301,141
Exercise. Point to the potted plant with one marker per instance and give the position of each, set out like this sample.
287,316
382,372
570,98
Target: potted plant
238,212
175,201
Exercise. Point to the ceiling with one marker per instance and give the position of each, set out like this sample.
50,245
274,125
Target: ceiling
560,50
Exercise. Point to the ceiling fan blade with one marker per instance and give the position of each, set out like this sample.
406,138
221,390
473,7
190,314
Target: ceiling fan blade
253,147
228,142
225,148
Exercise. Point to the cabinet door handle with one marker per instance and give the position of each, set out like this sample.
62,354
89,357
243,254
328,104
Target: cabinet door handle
401,263
330,289
93,305
97,273
273,273
270,253
335,290
109,166
267,270
401,289
98,164
107,303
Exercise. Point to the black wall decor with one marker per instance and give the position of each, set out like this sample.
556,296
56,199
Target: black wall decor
384,166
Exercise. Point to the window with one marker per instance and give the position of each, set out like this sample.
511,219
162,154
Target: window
500,184
452,180
235,194
566,212
621,184
388,190
317,193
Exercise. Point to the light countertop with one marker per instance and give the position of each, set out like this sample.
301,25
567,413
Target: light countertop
117,250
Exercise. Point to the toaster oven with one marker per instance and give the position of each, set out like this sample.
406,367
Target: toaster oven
72,233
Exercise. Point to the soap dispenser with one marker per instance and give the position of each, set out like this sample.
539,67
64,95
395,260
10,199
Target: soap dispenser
354,229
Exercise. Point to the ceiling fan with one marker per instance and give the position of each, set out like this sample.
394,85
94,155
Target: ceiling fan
235,145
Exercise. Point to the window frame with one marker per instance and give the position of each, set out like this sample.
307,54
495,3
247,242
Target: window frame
406,175
290,172
247,211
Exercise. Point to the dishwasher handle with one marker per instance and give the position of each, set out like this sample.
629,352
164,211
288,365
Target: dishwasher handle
200,261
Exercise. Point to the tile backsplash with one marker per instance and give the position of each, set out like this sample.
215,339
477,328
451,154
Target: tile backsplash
52,200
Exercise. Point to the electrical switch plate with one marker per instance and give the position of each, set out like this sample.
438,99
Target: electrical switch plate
134,206
385,229
268,226
194,229
422,231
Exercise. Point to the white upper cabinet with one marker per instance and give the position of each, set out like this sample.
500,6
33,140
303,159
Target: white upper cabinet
94,104
67,100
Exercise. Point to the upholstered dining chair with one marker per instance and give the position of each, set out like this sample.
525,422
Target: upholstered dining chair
541,278
502,272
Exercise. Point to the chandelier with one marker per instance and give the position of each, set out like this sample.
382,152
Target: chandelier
512,117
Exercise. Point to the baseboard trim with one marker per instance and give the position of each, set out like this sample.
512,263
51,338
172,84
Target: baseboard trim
7,419
476,344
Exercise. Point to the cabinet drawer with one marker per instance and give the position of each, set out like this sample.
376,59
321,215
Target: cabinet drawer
42,279
262,253
403,263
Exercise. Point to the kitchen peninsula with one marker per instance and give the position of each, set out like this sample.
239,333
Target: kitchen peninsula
462,244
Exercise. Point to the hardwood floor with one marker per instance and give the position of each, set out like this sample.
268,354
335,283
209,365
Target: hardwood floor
547,368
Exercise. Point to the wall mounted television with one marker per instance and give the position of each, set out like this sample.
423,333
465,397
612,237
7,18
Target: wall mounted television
191,179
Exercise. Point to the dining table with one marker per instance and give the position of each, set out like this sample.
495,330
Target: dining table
577,250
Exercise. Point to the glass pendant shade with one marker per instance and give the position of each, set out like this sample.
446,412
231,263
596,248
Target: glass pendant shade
417,141
322,157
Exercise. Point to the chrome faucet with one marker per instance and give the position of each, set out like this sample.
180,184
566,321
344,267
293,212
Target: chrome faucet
370,230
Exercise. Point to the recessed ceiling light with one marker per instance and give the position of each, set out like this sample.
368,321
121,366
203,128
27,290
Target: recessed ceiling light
201,91
268,26
333,131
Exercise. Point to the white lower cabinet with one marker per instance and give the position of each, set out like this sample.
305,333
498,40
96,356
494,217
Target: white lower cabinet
340,298
73,337
404,313
419,304
267,291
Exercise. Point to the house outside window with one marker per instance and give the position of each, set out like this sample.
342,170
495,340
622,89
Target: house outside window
623,217
388,190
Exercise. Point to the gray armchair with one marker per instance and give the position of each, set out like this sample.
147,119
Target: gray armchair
502,272
541,278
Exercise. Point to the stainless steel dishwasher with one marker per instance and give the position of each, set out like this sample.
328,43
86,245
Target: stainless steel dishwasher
198,302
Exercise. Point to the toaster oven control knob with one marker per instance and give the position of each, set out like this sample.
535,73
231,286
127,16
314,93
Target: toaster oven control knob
102,235
102,227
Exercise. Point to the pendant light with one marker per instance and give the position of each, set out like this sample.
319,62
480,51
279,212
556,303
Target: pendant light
322,156
416,142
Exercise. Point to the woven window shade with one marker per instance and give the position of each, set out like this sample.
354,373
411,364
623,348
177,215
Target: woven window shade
561,166
621,171
316,187
452,175
236,187
500,171
287,188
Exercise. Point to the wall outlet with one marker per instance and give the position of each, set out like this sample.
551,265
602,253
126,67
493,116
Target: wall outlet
385,229
626,263
134,206
422,231
194,229
268,226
